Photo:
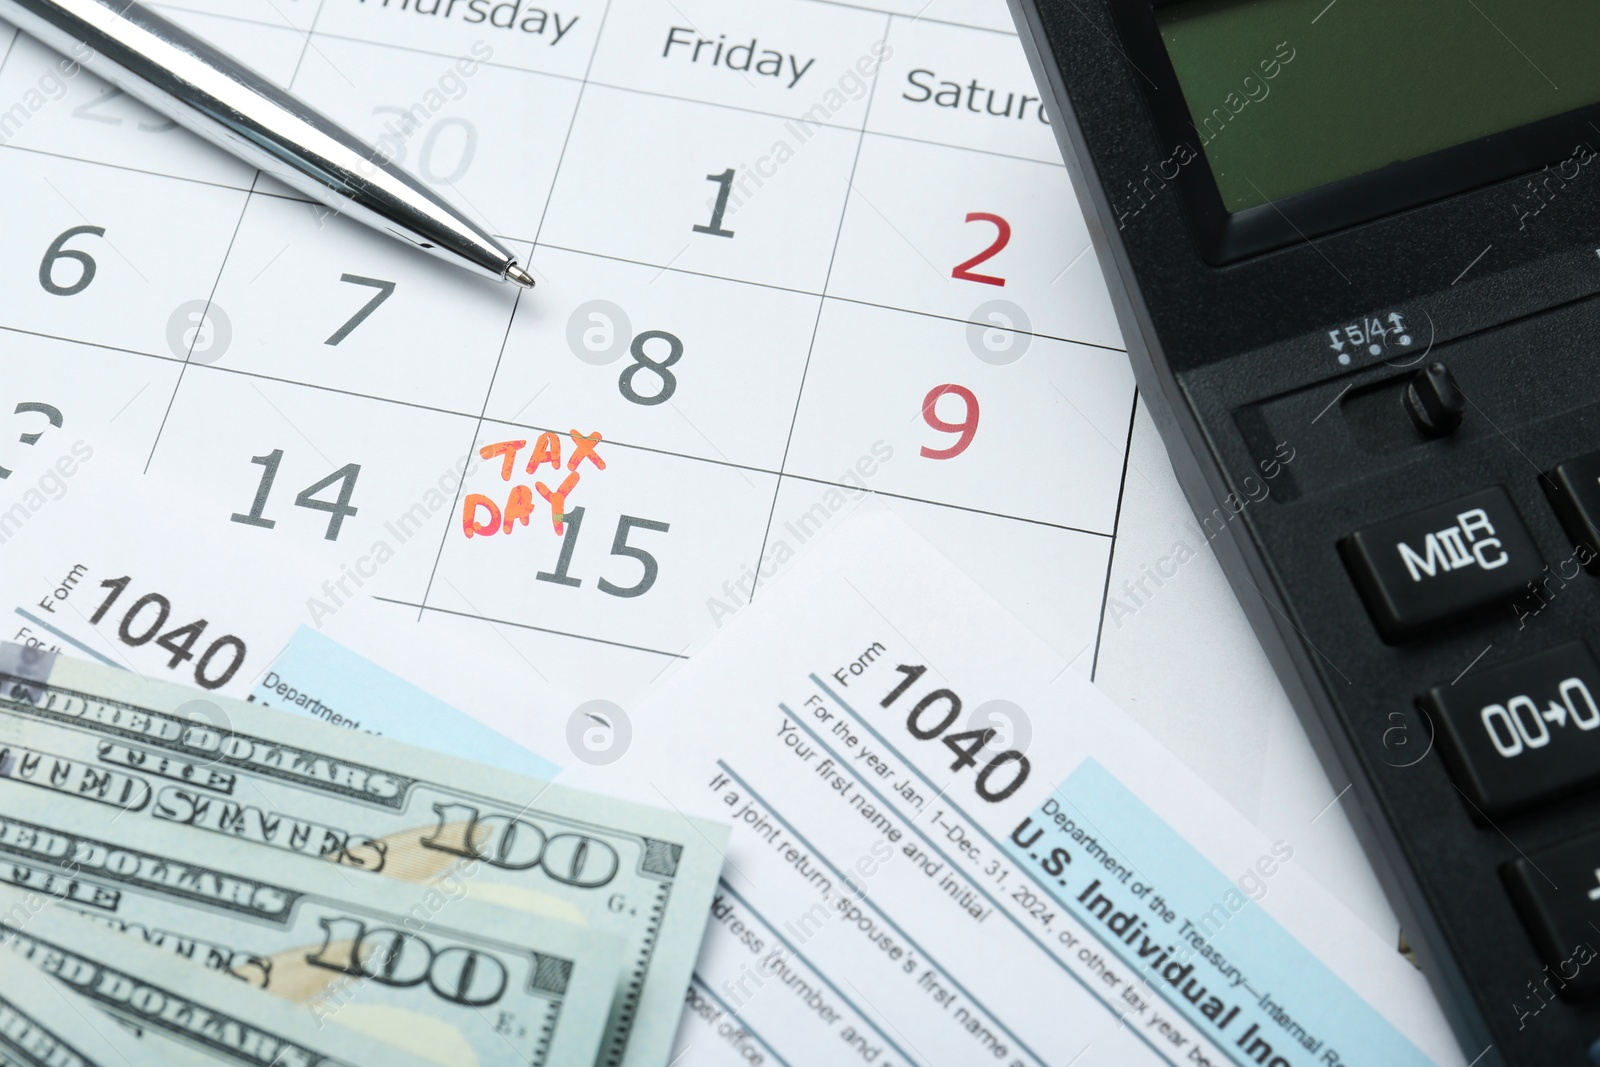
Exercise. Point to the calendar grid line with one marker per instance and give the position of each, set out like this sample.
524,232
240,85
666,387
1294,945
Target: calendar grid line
90,344
611,442
659,95
305,45
635,90
572,123
970,322
966,148
131,170
1116,521
516,303
916,18
830,296
816,323
282,24
221,267
671,269
829,3
297,198
1063,527
10,47
471,445
421,608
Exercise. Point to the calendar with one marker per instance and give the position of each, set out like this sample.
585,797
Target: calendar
791,255
788,254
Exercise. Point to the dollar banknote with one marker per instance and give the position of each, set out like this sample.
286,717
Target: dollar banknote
43,1024
456,980
176,1013
370,806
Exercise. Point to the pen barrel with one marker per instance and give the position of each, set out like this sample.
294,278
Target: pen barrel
214,96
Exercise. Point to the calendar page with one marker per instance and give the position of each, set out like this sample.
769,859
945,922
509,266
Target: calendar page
789,254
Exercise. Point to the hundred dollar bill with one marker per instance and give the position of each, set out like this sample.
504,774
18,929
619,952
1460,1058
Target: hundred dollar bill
369,805
455,980
42,1024
181,1015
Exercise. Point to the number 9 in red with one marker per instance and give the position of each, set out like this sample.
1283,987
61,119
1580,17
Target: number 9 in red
967,427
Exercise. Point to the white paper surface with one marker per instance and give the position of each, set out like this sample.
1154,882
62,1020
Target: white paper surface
890,890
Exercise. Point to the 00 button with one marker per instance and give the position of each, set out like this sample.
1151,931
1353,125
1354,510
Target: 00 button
1519,724
1523,733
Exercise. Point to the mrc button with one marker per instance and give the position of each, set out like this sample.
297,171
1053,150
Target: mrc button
1434,565
1524,733
1557,893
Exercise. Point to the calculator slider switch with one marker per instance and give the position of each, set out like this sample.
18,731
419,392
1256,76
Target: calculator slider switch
1524,733
1442,562
1574,489
1434,401
1557,893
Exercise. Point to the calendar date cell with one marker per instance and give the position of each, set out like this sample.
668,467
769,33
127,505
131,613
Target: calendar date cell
1040,439
344,485
371,317
65,110
654,357
92,260
633,186
108,402
461,123
643,542
942,230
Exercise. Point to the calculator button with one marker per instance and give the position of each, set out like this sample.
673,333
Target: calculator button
1557,892
1523,733
1574,488
1432,565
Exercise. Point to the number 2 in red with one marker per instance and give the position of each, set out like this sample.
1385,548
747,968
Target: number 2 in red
1001,238
967,427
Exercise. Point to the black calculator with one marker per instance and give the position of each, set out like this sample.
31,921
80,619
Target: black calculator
1354,249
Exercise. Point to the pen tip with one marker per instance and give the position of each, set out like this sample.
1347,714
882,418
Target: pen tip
521,277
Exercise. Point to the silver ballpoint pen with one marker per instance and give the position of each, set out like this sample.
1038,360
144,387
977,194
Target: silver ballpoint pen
203,90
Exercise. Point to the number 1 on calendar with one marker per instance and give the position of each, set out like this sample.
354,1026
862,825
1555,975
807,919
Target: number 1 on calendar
724,183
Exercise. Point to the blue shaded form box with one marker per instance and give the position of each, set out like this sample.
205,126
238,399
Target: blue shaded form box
319,677
1199,943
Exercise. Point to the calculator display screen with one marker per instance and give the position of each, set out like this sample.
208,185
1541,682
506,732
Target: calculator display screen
1289,95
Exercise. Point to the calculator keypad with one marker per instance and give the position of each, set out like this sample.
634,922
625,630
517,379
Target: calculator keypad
1433,565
